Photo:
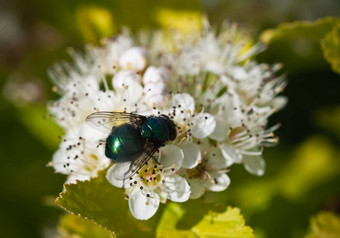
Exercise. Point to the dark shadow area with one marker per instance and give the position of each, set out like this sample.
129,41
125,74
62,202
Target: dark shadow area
288,218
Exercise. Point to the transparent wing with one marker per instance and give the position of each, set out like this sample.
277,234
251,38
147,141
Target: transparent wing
105,120
125,171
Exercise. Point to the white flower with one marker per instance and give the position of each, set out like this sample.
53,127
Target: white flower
77,157
108,56
153,183
192,123
155,86
206,83
155,75
210,174
134,58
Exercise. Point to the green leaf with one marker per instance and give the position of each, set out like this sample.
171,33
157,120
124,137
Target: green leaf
304,37
35,119
195,219
313,162
300,29
325,225
330,45
185,21
75,226
98,201
104,204
94,22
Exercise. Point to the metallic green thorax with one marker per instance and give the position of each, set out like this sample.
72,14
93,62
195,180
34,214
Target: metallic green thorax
156,130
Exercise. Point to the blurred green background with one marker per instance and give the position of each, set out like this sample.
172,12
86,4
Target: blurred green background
302,175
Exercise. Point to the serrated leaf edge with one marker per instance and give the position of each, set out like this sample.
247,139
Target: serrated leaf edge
112,233
264,37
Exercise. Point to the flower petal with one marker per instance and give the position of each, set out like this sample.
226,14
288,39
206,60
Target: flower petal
254,164
279,102
214,67
185,101
216,160
73,178
197,188
171,155
124,78
238,73
103,101
155,75
141,206
155,93
177,188
219,133
204,125
134,58
230,153
92,133
192,155
154,88
132,94
219,183
116,174
59,160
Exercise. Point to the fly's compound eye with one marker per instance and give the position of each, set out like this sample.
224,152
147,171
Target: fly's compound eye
171,126
172,131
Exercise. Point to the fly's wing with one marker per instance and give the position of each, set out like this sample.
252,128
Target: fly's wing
105,120
124,171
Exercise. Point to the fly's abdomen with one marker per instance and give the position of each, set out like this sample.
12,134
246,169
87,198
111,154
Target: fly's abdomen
124,144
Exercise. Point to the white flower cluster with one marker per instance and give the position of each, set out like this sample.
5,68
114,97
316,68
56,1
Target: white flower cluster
206,83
